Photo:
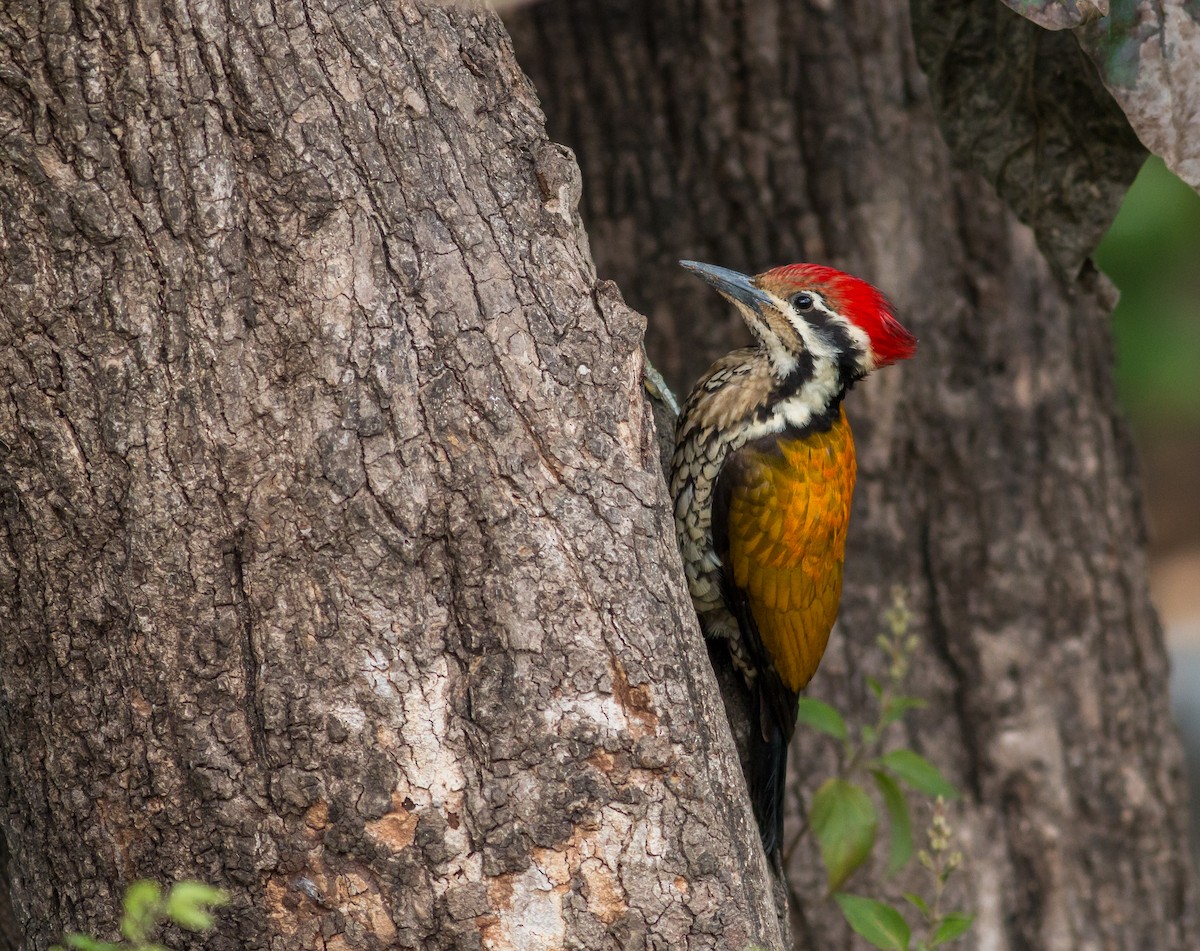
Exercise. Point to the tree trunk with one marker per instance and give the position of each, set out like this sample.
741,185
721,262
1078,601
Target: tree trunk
337,566
996,479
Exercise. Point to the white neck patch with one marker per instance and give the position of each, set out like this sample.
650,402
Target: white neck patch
807,403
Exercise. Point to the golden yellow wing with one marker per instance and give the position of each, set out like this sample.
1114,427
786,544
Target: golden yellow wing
785,504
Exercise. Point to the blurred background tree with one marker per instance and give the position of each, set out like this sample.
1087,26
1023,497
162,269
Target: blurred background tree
968,161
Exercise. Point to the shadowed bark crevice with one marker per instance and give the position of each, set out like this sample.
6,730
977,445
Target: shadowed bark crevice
10,938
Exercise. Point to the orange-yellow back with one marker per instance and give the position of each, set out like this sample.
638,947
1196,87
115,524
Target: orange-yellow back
788,515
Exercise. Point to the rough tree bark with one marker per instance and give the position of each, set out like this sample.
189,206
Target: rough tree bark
996,480
336,568
10,936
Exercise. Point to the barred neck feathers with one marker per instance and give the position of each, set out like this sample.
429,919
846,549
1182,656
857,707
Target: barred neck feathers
807,399
741,391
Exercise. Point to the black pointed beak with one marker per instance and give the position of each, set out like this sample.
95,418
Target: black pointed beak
732,284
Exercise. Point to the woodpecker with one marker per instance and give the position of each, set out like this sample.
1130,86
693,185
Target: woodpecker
762,476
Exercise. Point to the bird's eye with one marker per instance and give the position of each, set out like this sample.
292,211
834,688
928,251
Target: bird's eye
803,302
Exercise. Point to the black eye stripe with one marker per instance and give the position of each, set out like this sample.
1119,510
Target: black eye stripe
819,319
835,333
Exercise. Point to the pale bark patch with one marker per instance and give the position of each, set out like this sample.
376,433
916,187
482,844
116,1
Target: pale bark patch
395,829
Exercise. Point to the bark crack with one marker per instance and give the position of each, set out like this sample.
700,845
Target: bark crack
251,701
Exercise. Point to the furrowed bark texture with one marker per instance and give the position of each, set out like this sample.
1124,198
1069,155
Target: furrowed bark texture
337,567
10,935
996,480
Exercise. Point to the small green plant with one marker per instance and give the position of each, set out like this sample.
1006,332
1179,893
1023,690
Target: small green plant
188,904
844,817
886,928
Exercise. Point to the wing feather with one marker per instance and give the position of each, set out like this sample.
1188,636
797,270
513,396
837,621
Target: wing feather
780,511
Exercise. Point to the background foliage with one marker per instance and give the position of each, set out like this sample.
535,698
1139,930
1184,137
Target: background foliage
1152,253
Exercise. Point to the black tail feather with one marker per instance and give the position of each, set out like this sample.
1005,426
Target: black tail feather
768,778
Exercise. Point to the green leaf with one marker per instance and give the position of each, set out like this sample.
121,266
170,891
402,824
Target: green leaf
917,902
82,942
880,924
953,925
844,821
919,773
140,904
189,902
876,686
898,706
900,843
821,716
